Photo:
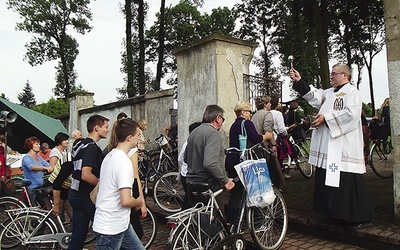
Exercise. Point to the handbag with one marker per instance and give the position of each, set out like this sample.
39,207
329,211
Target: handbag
254,175
284,146
93,194
243,137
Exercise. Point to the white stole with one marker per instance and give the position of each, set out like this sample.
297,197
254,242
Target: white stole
334,159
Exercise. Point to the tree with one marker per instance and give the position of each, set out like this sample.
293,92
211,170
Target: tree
221,21
258,25
27,98
129,48
183,24
162,21
372,38
161,47
358,34
138,80
49,20
53,107
141,15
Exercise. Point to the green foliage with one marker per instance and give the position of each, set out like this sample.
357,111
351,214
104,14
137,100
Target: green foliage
53,108
184,24
367,109
122,92
358,34
50,20
27,98
221,21
257,19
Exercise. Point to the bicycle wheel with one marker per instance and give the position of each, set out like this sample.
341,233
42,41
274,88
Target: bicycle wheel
269,224
382,159
149,225
187,236
6,203
302,164
25,228
168,192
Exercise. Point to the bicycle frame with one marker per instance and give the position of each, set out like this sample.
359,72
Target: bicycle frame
62,238
177,220
267,225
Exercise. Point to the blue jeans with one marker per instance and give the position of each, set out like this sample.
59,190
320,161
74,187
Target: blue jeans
33,197
124,240
83,212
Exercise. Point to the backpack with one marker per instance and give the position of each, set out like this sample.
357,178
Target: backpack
68,163
379,129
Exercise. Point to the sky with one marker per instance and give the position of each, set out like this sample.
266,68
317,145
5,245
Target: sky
99,61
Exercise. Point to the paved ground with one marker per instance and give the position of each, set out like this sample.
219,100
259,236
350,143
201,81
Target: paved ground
382,233
306,231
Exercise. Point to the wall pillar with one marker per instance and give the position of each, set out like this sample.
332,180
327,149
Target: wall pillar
77,101
210,71
392,15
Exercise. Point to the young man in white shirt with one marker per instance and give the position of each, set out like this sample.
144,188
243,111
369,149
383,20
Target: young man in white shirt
114,199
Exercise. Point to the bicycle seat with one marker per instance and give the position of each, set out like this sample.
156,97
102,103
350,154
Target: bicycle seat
21,183
199,187
45,190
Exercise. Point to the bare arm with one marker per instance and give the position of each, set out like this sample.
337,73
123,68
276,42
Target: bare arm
39,168
53,161
165,132
88,177
57,202
127,200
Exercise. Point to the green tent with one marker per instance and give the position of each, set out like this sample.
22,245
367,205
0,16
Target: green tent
29,123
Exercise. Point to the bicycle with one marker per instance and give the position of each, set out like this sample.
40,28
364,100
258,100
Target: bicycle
167,190
23,201
301,159
32,227
165,158
11,202
381,158
205,227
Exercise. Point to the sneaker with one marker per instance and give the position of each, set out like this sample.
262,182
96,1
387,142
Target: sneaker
287,176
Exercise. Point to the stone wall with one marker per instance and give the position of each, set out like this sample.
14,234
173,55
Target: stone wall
153,107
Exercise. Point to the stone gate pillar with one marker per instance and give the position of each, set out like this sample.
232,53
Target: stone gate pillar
392,15
77,101
210,71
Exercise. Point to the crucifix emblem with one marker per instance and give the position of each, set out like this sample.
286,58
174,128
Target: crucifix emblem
333,167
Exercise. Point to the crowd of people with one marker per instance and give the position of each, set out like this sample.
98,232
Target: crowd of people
336,150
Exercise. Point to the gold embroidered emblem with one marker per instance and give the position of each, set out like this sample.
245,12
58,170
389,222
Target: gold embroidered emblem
341,94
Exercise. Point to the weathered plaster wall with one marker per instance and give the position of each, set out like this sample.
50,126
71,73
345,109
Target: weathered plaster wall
210,71
153,107
392,16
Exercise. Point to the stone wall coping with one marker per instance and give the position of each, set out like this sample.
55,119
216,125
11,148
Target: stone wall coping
213,38
129,101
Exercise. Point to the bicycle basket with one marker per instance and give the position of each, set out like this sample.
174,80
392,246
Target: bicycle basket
379,130
161,140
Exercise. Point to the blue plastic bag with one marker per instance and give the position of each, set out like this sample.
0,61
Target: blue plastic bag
254,175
